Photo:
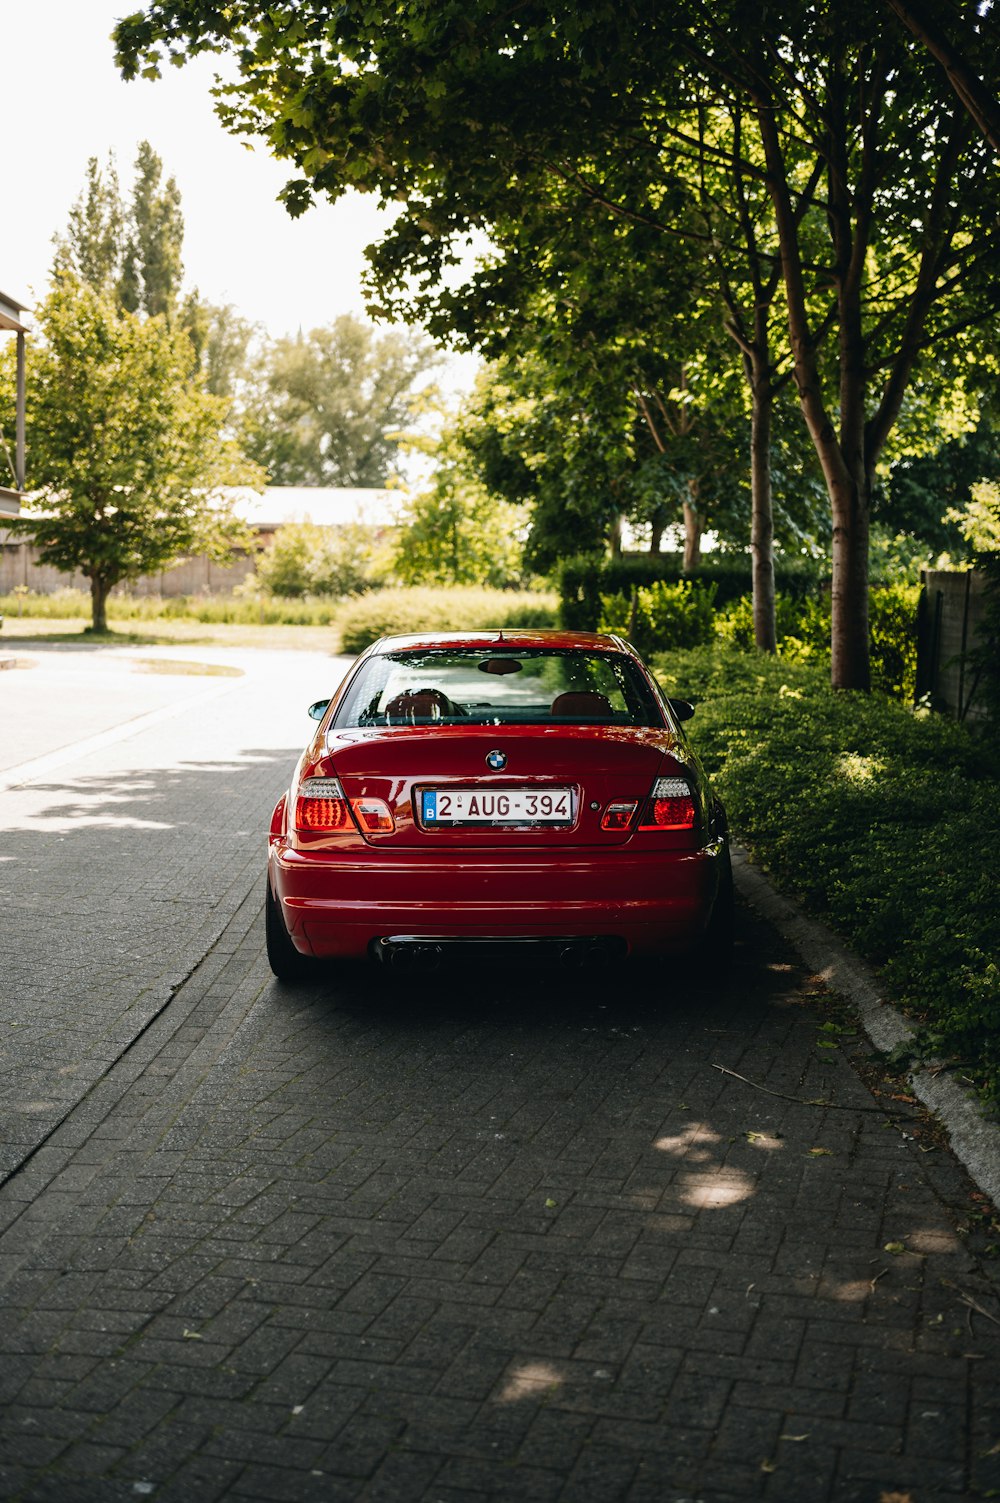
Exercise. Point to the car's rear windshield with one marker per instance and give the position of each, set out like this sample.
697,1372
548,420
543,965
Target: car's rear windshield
499,686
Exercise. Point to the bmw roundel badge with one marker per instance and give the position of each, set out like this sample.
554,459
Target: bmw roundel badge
497,760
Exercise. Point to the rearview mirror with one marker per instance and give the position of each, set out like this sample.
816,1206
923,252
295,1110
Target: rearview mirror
682,708
318,710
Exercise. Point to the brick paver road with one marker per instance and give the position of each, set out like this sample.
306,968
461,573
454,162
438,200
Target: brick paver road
481,1236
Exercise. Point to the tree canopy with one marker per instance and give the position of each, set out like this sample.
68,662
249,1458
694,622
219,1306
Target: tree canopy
872,191
331,407
132,252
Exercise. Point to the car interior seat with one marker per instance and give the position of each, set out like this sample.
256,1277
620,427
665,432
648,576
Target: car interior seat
418,705
583,704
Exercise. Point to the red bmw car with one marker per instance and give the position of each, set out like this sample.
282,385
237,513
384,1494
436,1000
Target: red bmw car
529,791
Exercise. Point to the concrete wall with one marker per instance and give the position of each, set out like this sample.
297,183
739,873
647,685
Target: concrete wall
948,622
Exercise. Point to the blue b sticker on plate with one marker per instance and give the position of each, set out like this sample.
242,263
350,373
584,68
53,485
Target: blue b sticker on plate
430,806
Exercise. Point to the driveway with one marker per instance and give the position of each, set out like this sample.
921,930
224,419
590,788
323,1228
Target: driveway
488,1235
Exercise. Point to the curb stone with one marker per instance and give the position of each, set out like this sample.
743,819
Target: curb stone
975,1141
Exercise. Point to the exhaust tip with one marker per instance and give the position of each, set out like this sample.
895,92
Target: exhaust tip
584,957
409,957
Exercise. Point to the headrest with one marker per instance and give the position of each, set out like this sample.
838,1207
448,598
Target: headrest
582,704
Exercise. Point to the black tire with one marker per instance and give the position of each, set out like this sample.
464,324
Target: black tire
713,955
284,959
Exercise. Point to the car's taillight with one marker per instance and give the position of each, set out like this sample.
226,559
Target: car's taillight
373,814
618,816
669,806
321,805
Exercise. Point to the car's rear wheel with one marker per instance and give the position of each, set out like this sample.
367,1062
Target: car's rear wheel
713,956
284,959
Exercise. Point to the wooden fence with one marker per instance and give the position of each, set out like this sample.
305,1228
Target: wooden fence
949,619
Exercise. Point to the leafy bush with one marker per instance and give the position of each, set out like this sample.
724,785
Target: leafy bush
662,615
892,620
306,559
582,581
385,612
804,633
880,819
803,625
985,656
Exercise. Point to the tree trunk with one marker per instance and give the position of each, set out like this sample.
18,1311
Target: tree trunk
692,536
615,540
842,454
755,345
765,631
657,529
849,643
99,592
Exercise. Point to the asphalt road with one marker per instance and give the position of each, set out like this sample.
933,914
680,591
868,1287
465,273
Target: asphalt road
491,1235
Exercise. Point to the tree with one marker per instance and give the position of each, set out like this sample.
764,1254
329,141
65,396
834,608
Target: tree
647,254
453,531
151,259
966,48
733,207
925,494
461,113
908,245
133,254
92,245
329,408
616,397
589,458
306,559
979,521
125,450
222,340
420,247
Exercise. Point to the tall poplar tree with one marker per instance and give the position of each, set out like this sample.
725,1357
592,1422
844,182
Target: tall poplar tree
152,267
132,251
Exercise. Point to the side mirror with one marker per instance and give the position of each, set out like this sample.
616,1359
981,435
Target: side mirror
682,708
318,710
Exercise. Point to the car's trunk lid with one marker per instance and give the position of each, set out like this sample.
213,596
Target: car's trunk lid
499,787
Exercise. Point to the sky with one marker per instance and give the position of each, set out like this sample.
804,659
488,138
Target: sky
63,94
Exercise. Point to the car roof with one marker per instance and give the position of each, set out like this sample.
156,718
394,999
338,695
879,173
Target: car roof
516,638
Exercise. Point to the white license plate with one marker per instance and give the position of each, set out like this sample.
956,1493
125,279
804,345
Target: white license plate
496,806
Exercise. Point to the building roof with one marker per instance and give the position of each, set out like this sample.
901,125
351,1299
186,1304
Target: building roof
327,506
9,310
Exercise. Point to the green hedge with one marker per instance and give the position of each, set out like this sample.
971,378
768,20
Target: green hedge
661,614
804,633
382,613
883,821
667,616
582,581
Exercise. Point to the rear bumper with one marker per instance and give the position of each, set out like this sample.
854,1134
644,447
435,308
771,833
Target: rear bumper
344,904
423,951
